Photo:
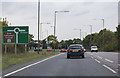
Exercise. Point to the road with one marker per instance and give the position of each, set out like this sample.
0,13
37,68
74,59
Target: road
94,64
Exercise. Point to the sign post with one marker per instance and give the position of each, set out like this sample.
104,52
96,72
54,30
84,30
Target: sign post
15,35
15,49
5,49
26,49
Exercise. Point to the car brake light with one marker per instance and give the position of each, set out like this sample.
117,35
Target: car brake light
81,50
68,50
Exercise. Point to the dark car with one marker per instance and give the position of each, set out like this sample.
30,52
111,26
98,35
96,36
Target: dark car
75,50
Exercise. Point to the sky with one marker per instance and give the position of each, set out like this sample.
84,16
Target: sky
81,15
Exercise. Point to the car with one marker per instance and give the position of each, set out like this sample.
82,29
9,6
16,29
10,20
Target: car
75,50
49,50
63,50
94,49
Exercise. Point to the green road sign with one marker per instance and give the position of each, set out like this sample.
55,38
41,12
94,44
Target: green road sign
15,35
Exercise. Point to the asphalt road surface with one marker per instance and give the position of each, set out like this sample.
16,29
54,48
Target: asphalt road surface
94,64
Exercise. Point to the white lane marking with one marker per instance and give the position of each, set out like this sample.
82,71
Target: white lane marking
109,60
32,65
91,57
110,69
97,61
99,57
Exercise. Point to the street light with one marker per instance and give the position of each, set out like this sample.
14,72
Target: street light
38,23
55,24
80,32
103,20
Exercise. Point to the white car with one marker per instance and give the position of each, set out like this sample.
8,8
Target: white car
94,49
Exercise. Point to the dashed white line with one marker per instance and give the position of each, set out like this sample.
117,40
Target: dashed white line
109,60
109,69
31,65
91,57
99,57
97,61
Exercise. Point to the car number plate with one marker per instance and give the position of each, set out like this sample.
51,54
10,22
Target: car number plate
75,50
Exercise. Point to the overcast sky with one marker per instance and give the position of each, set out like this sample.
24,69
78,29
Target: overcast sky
80,16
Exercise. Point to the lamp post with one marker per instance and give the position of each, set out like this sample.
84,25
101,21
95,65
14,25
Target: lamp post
55,24
38,23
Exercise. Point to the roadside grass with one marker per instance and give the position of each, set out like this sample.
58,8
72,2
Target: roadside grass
12,59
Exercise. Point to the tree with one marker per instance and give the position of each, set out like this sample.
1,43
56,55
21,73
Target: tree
76,41
4,22
117,34
31,38
50,39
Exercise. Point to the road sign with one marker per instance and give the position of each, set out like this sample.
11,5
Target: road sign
53,42
15,35
8,37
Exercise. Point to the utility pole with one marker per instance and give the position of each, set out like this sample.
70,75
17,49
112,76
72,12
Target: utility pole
38,23
54,28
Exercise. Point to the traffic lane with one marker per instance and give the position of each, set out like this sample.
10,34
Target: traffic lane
110,59
60,66
107,55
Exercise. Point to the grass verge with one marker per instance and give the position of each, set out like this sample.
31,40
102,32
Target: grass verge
12,59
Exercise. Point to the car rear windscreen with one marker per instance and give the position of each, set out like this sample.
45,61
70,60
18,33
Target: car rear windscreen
75,47
94,47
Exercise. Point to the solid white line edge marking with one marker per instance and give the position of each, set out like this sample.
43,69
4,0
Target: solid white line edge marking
97,61
31,65
109,60
110,69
